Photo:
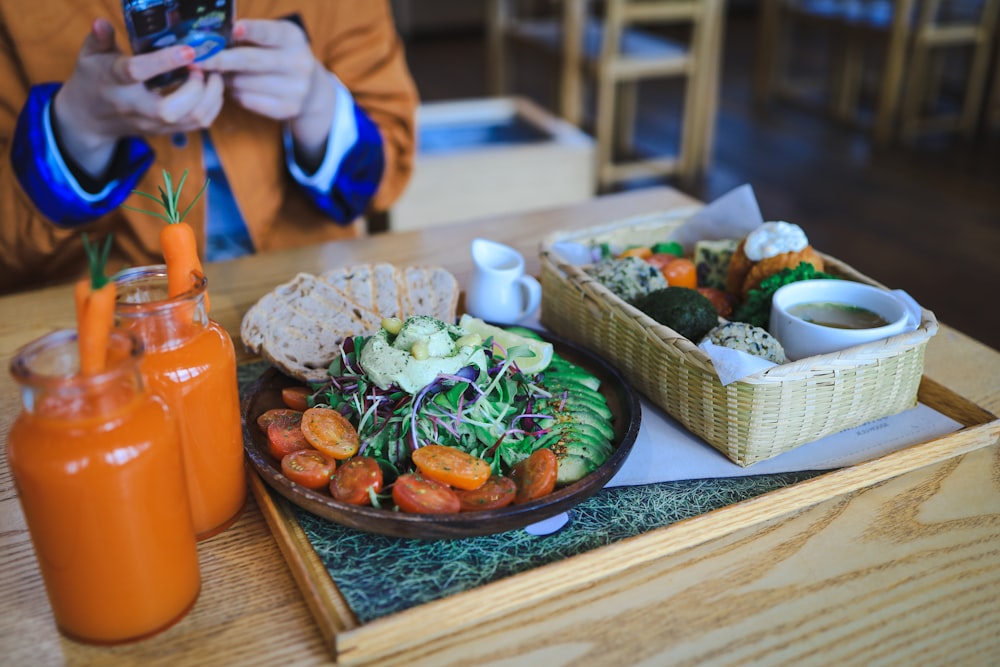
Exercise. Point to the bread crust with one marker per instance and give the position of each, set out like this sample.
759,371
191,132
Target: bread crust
300,325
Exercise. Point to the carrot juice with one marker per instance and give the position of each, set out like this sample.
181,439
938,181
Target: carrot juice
190,361
97,467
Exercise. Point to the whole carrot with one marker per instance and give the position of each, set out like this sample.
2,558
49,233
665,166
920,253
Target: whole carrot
177,239
95,309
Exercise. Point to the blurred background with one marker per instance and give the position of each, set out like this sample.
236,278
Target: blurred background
879,136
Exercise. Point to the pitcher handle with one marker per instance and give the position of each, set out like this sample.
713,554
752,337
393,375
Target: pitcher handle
532,294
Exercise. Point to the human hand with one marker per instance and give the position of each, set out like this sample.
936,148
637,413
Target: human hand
271,71
105,98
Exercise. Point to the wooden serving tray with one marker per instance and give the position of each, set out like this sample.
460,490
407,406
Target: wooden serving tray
457,622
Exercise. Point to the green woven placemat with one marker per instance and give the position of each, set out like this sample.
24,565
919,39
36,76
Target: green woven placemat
380,575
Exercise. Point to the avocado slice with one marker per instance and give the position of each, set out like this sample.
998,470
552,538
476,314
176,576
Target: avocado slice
573,468
577,439
577,399
580,414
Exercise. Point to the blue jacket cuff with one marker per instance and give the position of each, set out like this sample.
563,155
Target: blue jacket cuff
48,181
357,177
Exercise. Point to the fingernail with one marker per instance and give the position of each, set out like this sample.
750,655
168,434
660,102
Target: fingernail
184,55
239,31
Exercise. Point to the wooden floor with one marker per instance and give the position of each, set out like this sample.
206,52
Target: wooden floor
925,219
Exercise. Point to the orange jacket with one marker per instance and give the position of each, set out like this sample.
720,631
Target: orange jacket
355,39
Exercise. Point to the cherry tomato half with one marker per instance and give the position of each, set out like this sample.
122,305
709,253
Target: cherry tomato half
417,494
451,466
296,398
283,415
351,481
330,432
308,468
284,438
496,492
535,476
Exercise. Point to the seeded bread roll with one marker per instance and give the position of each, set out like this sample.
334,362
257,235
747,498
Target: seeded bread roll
748,338
300,325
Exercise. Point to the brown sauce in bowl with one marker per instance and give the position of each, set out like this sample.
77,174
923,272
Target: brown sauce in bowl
837,315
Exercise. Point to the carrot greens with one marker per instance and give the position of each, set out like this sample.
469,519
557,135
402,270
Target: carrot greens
169,199
177,239
94,298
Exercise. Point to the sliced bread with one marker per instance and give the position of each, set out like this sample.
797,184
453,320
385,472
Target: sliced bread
300,325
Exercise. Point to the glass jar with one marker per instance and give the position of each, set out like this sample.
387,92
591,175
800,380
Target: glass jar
97,466
190,361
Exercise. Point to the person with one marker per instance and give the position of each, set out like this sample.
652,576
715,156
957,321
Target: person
310,113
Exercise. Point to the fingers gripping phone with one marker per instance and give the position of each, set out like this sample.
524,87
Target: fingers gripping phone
204,25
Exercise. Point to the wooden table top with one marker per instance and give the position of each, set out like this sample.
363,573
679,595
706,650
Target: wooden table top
251,611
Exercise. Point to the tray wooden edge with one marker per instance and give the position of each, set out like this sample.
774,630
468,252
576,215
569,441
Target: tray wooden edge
328,607
351,642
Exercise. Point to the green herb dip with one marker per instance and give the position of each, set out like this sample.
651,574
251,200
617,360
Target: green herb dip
389,359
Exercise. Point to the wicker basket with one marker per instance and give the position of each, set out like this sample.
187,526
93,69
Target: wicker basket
752,419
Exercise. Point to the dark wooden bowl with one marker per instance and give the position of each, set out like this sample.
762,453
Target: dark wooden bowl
265,393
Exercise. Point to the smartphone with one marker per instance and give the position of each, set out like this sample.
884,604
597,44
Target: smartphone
204,25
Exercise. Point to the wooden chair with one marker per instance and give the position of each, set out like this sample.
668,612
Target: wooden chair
618,49
912,36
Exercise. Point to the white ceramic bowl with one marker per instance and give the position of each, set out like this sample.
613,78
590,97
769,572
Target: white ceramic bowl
805,339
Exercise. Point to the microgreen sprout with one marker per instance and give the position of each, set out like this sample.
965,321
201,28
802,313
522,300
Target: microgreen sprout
482,412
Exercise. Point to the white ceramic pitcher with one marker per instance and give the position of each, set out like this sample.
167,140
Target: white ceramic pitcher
499,290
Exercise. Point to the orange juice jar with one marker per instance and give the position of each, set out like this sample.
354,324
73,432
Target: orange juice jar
97,466
190,361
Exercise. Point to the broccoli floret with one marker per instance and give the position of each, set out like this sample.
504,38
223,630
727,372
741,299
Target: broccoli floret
756,308
684,310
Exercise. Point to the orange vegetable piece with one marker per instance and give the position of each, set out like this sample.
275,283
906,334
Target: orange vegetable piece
497,492
282,415
94,298
177,239
284,438
451,466
95,316
638,251
308,468
330,432
296,398
180,253
351,481
416,494
535,476
681,272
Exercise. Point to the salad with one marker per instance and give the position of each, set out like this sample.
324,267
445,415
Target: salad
431,417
